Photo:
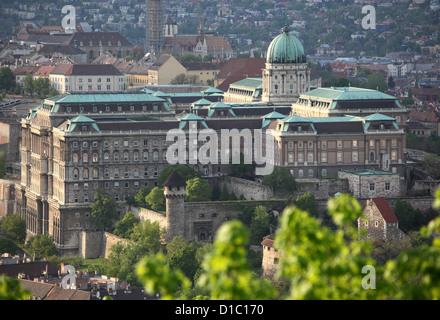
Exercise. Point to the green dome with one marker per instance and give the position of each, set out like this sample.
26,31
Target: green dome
286,48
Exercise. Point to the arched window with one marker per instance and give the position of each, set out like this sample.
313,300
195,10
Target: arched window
95,173
75,157
85,157
155,156
86,173
372,156
75,173
95,157
106,157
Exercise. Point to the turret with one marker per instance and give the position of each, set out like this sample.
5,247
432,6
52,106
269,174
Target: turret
175,192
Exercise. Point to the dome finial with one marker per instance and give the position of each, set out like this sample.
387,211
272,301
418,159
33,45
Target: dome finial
285,29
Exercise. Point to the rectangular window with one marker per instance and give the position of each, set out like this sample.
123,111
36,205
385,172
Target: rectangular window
371,186
371,143
323,156
355,156
116,185
387,186
339,156
339,144
355,144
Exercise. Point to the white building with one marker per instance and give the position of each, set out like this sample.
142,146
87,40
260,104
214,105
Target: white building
86,77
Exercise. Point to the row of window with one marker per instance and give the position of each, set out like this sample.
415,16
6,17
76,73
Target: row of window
339,156
116,143
116,173
116,156
339,144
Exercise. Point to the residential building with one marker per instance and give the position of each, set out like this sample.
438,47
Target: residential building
204,71
165,69
95,43
236,69
372,183
200,45
86,77
136,75
379,222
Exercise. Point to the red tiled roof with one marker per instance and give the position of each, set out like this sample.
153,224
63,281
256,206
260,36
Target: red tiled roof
238,69
385,210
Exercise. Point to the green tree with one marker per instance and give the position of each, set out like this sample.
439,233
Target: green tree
104,211
316,262
28,84
7,79
376,81
141,195
148,234
198,190
224,195
156,199
307,202
281,180
406,215
3,164
7,246
42,87
260,225
11,289
42,246
431,164
185,172
124,227
14,227
242,170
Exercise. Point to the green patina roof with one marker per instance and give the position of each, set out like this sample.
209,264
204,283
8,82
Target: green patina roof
295,118
81,119
274,115
253,83
146,90
159,94
378,117
286,48
370,172
191,117
202,102
219,105
104,98
212,90
347,93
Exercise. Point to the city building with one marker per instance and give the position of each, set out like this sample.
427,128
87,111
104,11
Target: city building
380,222
341,101
86,77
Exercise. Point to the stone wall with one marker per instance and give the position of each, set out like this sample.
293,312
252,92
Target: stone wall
153,216
95,244
203,219
321,188
424,187
249,189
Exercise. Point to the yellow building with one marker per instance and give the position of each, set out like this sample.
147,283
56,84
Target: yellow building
136,76
164,70
205,72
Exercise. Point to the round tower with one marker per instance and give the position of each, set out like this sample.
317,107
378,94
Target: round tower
175,192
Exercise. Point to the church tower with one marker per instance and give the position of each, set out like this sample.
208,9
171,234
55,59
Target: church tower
175,192
286,75
155,26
